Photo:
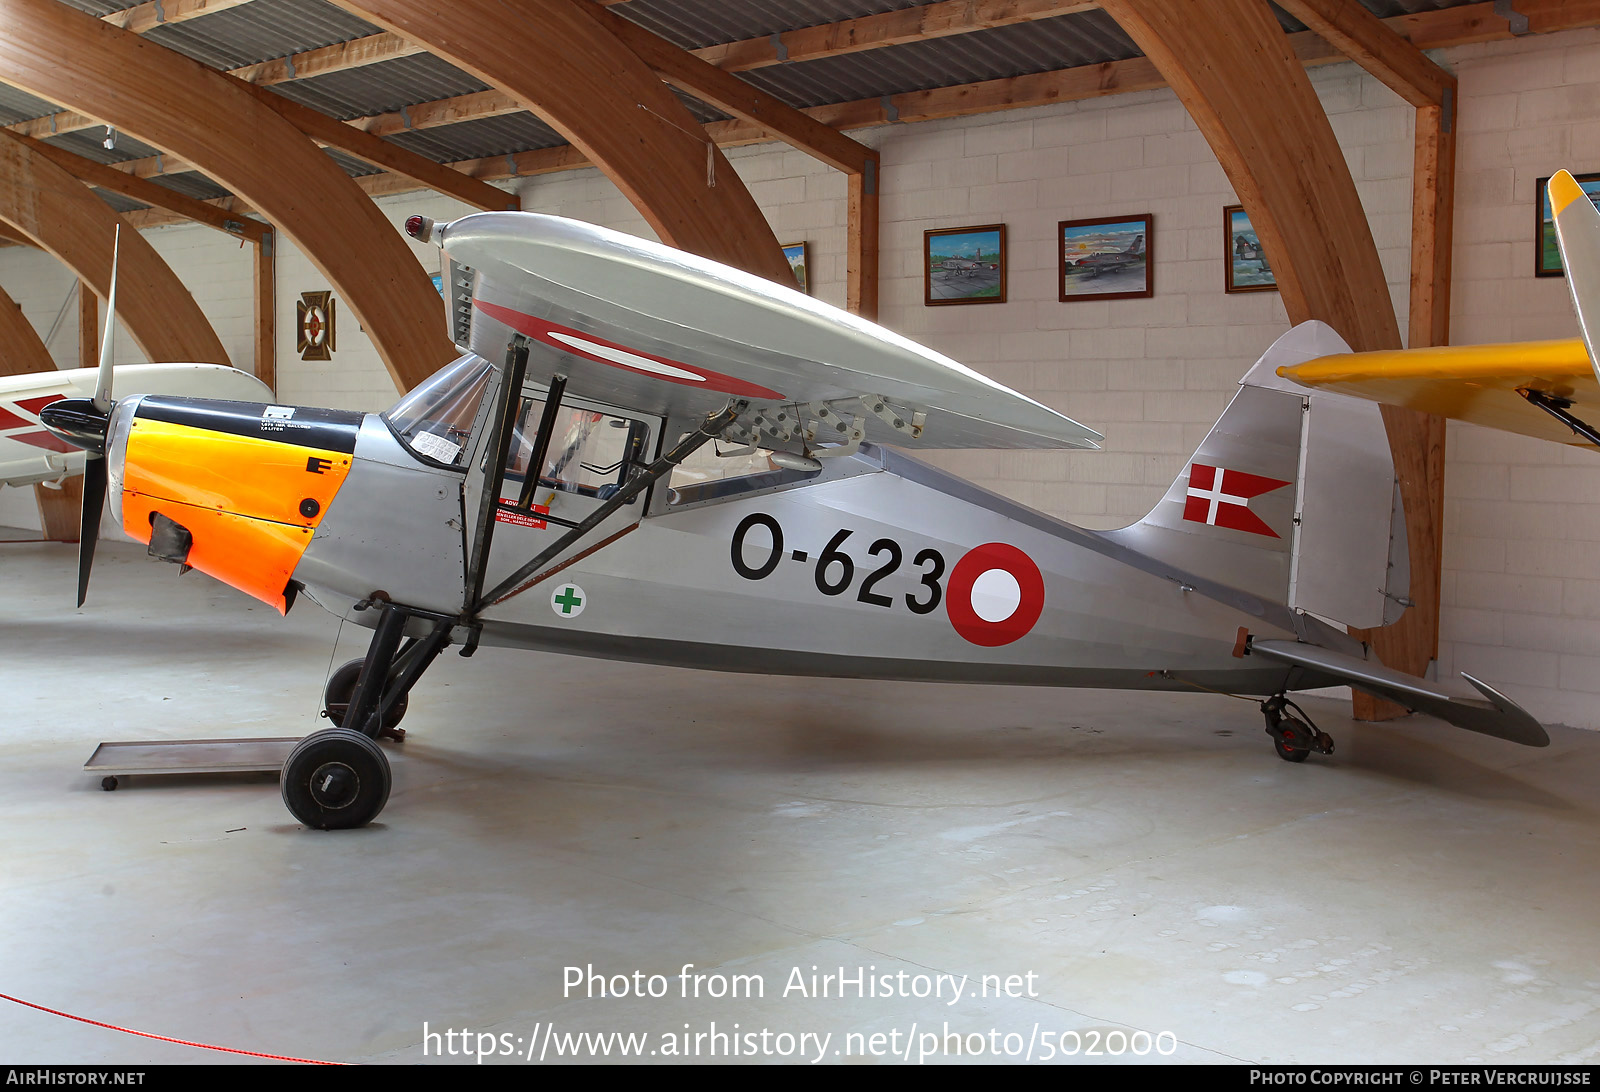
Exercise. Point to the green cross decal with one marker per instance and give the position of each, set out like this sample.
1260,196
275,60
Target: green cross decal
568,599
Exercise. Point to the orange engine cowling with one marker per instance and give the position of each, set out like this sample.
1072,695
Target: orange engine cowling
234,489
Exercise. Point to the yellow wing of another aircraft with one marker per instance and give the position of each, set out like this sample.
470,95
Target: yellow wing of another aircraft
1545,389
1482,384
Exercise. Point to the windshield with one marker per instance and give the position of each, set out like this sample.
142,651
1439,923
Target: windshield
435,419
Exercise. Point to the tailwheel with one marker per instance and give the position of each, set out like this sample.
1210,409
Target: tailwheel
342,687
336,779
1293,737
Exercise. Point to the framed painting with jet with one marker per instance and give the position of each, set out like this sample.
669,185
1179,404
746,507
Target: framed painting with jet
964,265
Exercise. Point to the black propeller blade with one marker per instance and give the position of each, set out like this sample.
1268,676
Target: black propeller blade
80,422
86,422
94,500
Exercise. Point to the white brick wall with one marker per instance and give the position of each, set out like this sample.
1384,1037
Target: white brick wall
1522,583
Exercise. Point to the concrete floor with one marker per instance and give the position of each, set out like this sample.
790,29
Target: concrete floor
1425,895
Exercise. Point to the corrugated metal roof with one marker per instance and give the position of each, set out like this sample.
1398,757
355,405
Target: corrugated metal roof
353,165
118,201
260,31
90,144
191,184
1383,9
481,138
695,23
1063,42
265,29
100,7
18,106
381,88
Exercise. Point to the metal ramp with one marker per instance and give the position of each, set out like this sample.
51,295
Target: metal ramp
188,756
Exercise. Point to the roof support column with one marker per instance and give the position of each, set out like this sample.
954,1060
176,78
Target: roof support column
861,275
264,284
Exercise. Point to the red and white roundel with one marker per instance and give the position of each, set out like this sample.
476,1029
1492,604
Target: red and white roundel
995,594
598,349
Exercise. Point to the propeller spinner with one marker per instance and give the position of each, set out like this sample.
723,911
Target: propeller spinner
84,422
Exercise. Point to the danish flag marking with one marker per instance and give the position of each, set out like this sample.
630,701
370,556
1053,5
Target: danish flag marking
1219,497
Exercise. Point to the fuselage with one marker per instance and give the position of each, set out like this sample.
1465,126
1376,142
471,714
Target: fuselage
877,566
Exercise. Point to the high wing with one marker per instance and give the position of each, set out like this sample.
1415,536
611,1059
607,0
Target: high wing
1545,389
642,326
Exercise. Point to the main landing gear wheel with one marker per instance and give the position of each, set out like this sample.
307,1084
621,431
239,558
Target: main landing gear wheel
1283,740
336,779
1293,737
342,687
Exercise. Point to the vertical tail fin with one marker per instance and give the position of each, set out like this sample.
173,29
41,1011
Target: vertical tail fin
1290,497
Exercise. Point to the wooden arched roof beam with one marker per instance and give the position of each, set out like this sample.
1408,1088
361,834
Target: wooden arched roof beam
57,213
1364,38
140,189
1425,30
315,124
1417,440
21,349
799,130
1234,73
1435,29
1250,97
184,108
569,69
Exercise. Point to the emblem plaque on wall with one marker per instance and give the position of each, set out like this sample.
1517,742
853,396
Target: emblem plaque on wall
315,313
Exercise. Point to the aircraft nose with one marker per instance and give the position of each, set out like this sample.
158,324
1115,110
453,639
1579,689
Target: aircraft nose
79,422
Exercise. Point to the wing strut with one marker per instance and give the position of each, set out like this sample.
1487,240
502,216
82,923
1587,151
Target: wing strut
1558,407
541,442
710,430
510,396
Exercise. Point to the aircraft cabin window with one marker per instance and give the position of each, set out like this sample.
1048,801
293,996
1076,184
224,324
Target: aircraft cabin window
588,454
435,419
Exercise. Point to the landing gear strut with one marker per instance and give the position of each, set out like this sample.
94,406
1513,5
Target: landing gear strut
342,687
1293,737
339,778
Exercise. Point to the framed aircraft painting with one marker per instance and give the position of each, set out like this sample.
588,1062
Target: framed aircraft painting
1546,255
964,265
1107,258
1245,264
799,257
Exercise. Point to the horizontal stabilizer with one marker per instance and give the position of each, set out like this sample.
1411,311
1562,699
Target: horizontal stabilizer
1499,716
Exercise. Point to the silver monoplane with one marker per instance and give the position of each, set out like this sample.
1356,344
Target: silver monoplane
644,455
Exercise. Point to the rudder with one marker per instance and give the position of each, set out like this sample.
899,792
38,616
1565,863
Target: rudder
1290,497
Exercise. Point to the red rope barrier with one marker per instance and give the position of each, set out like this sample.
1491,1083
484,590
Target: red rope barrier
164,1038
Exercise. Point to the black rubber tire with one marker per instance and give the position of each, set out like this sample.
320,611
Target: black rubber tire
336,779
1283,741
342,687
